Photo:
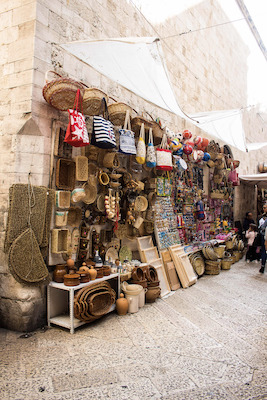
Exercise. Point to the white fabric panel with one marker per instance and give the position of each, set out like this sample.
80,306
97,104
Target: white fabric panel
256,146
224,125
135,63
138,65
256,179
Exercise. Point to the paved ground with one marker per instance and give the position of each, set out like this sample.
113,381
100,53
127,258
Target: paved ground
205,342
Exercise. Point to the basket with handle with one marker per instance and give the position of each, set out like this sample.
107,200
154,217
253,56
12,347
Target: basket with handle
92,100
117,112
61,92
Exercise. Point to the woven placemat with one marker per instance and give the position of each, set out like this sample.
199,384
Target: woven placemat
48,215
19,212
25,260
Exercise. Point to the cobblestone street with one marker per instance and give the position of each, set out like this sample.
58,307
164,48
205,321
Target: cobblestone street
205,342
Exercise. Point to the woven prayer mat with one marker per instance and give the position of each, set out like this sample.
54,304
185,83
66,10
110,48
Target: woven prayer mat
25,261
27,208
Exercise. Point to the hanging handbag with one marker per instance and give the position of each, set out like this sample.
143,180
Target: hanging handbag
103,134
150,154
127,141
141,146
164,155
76,134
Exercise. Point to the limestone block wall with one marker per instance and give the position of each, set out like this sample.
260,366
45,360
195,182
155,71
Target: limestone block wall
207,70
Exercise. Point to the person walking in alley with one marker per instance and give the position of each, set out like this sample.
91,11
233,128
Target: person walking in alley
251,235
262,231
247,221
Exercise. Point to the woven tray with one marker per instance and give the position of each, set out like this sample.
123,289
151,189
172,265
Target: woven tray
60,92
81,163
25,261
18,212
100,303
65,174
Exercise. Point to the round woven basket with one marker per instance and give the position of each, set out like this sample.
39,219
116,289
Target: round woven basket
92,99
90,192
140,203
117,112
227,262
212,267
61,92
229,244
219,251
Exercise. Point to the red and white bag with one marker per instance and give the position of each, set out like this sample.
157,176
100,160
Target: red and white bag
77,134
164,155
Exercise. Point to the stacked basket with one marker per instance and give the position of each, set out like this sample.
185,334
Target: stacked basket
94,301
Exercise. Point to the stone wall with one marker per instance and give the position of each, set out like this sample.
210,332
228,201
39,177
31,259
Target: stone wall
207,70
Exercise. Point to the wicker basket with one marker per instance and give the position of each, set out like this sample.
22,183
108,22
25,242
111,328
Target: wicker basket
227,262
92,100
140,203
100,303
62,199
111,160
117,112
81,168
212,267
90,193
229,244
219,251
60,92
65,174
74,216
59,241
61,218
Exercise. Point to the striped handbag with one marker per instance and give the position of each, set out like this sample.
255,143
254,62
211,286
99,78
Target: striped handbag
103,134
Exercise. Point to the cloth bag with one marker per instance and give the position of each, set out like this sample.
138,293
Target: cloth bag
127,141
76,134
164,155
103,134
141,146
150,154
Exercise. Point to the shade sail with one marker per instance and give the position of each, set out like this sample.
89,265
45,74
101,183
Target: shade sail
256,179
138,65
225,125
135,63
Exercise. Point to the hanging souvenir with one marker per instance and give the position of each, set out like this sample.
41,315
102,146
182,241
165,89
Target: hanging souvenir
150,154
127,142
77,134
141,146
164,155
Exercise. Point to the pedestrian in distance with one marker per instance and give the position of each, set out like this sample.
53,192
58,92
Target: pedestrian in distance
262,231
251,235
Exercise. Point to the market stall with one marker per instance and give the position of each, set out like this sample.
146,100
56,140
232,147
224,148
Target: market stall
130,202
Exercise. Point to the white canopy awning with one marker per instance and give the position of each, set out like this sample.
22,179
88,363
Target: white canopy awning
138,65
256,179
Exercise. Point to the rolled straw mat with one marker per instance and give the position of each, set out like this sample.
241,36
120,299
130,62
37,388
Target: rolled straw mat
25,261
20,207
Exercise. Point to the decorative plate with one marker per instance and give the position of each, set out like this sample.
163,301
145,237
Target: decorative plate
112,254
125,254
